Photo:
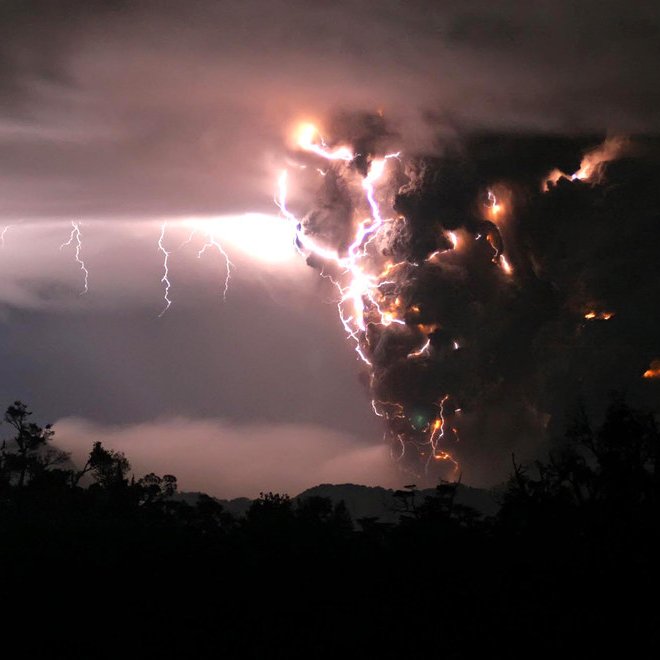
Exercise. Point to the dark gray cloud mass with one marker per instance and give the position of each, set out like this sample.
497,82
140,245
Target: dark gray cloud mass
169,107
520,298
122,113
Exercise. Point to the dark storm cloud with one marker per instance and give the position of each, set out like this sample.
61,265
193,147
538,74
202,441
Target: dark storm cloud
513,351
168,107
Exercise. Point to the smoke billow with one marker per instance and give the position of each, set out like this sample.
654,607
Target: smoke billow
503,292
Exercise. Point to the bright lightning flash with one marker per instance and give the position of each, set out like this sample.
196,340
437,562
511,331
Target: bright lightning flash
367,294
5,229
211,242
76,236
165,279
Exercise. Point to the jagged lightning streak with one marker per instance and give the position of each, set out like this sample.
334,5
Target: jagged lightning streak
306,137
422,351
165,279
189,239
77,236
437,432
211,242
5,229
367,295
495,209
362,286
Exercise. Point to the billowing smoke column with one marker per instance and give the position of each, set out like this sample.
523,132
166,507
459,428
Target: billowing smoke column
468,297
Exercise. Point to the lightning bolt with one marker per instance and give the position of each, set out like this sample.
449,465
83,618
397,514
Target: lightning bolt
367,294
165,279
2,235
423,350
495,209
211,242
361,289
189,239
76,236
437,433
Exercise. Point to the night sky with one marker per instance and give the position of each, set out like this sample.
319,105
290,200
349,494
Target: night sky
127,116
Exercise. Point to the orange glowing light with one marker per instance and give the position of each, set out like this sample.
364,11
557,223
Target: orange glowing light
426,328
598,316
495,206
592,164
653,372
552,178
309,139
422,351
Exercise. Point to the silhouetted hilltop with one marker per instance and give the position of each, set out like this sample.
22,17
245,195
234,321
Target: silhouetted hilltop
381,503
361,501
236,507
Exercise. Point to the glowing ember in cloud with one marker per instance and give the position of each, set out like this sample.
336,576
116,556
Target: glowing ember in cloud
653,372
494,210
494,207
592,164
76,236
506,266
598,316
593,161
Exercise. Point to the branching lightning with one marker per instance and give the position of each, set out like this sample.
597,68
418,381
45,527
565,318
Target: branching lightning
76,236
363,278
380,312
165,279
211,242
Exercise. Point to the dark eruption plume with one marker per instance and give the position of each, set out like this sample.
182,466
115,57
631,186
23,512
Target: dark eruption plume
510,302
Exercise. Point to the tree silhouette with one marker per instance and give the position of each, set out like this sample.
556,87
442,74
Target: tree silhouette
109,468
28,453
156,489
575,539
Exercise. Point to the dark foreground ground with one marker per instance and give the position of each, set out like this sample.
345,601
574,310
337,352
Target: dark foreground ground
567,566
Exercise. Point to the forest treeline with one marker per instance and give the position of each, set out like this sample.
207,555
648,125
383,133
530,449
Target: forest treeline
91,555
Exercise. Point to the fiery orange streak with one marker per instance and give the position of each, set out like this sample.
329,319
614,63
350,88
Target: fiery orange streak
653,372
598,316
